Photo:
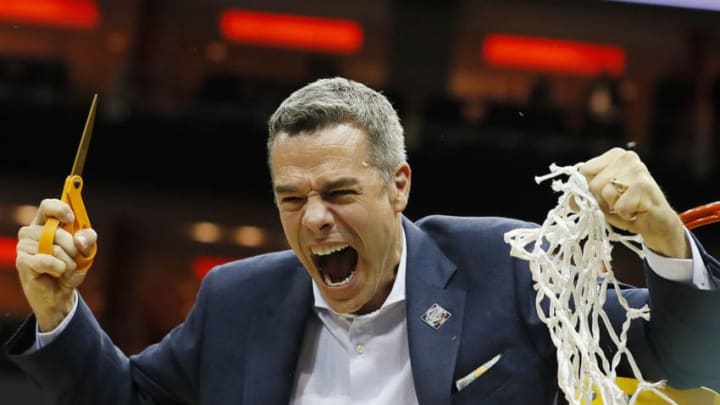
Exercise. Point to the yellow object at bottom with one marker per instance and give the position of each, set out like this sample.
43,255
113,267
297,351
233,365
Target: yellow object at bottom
693,396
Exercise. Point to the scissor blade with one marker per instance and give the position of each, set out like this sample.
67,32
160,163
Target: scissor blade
79,163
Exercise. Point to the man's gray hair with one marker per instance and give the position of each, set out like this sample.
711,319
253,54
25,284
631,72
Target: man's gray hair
327,102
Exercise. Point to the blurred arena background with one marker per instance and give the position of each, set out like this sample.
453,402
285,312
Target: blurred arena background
490,93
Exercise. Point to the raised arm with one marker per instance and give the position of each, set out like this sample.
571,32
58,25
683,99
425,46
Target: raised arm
49,281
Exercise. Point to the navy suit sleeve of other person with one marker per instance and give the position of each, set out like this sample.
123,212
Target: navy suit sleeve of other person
241,341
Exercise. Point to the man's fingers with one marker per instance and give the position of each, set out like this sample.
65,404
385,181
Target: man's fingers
617,163
40,264
53,208
85,239
592,167
603,191
607,199
73,279
62,262
64,249
62,238
632,203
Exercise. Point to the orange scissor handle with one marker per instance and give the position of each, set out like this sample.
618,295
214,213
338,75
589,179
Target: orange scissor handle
702,215
71,194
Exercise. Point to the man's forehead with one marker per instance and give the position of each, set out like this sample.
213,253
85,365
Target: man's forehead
290,185
334,152
339,129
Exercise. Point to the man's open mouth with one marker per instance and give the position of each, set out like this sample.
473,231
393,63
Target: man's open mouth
335,263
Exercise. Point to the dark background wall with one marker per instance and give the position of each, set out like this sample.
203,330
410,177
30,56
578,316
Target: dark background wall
180,133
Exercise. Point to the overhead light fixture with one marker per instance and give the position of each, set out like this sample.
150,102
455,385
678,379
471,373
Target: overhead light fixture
250,236
24,214
8,252
309,33
201,265
75,14
553,55
205,232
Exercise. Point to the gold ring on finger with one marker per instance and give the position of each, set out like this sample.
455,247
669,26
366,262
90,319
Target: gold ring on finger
619,186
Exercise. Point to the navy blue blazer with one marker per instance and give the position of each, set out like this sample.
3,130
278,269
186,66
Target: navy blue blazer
241,342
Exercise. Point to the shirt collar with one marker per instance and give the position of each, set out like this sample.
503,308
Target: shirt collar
397,294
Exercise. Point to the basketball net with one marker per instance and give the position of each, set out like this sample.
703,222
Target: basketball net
570,260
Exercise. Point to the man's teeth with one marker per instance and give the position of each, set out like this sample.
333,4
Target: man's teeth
339,283
326,250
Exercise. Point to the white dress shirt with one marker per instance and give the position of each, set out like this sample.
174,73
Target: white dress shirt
680,270
357,359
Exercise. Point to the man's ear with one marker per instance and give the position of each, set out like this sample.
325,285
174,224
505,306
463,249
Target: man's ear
401,187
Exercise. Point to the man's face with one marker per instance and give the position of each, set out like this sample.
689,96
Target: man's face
340,218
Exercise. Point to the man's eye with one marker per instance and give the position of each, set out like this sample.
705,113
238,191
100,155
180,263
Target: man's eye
291,200
340,193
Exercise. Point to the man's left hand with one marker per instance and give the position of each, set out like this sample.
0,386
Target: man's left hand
633,201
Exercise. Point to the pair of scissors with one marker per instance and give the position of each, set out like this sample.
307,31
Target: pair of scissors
72,195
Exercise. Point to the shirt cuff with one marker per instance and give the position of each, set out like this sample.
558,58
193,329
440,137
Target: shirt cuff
45,338
688,271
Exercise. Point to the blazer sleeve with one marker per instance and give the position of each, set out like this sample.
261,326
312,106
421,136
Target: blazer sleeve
680,341
83,366
685,329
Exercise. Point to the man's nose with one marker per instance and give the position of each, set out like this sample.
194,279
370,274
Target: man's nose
317,217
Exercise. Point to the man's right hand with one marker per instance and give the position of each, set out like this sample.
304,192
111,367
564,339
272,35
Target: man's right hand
49,281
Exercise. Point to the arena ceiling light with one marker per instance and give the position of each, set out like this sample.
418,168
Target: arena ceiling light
74,14
289,31
711,5
201,265
7,253
553,55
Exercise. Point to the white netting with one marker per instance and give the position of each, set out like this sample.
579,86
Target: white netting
569,257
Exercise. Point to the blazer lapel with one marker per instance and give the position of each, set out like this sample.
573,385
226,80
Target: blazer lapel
433,352
274,342
276,335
